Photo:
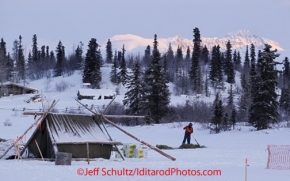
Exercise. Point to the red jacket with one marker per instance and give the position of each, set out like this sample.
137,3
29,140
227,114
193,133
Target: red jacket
188,130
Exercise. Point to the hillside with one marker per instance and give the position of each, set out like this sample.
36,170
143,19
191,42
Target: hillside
226,151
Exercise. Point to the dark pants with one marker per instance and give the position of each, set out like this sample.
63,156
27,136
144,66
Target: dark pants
186,138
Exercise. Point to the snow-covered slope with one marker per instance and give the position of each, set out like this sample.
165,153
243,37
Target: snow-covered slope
238,40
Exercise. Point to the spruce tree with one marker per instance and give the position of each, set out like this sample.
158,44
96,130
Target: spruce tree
179,58
147,57
216,119
114,70
134,95
20,64
195,71
215,73
92,70
234,117
284,101
156,99
229,66
205,55
79,56
109,52
286,72
123,74
187,59
225,124
247,61
60,60
264,107
2,65
34,49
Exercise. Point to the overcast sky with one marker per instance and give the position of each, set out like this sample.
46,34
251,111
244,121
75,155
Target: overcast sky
72,21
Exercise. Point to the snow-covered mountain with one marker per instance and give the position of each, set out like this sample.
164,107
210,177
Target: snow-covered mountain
239,40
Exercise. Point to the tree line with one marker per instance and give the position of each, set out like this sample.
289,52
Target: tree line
146,79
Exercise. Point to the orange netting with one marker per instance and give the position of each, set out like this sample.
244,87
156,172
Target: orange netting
278,157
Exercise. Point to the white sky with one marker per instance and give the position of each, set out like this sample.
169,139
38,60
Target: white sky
72,21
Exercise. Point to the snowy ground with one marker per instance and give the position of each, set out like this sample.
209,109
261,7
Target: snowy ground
226,151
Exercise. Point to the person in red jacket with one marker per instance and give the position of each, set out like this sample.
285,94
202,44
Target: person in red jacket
188,131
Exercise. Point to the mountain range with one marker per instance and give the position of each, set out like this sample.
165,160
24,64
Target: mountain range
239,40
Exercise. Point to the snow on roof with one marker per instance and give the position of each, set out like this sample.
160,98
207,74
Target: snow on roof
75,128
96,92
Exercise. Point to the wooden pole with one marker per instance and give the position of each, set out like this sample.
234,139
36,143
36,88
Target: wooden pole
51,138
107,116
246,170
39,149
112,140
88,153
39,120
269,155
132,136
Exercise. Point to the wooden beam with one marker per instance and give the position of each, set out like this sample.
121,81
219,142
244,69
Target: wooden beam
132,136
91,142
107,116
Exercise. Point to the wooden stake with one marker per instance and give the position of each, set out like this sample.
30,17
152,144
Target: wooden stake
88,153
132,136
39,120
246,170
39,149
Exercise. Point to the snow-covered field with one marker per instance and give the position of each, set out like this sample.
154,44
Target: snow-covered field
226,151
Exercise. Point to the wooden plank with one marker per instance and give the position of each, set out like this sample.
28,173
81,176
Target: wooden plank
91,142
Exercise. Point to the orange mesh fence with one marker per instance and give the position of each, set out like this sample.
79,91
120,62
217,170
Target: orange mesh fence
278,157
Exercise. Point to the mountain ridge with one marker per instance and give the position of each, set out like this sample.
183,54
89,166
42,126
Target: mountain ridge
239,40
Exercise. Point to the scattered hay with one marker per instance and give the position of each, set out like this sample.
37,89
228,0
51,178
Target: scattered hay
190,146
164,147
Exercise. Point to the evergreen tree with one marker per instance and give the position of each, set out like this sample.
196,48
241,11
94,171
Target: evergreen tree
20,64
225,124
79,56
216,120
286,72
171,64
156,98
247,61
207,94
179,58
187,59
9,66
60,60
231,98
215,73
205,55
52,59
134,95
234,117
109,52
147,57
2,65
114,71
195,71
34,49
284,101
92,70
264,107
165,68
229,66
123,74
